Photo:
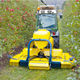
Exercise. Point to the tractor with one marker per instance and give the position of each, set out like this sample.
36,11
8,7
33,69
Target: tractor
41,56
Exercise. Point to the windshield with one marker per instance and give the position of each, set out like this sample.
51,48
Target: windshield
47,21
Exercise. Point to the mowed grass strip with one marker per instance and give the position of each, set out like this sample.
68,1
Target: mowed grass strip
21,73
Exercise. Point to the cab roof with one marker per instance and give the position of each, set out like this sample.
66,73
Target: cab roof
47,7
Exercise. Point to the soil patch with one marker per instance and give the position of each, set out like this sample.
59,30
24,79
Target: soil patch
17,50
4,60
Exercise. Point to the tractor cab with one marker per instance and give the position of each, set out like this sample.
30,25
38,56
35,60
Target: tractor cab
47,19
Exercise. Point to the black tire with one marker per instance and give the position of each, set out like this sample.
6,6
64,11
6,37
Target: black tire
56,41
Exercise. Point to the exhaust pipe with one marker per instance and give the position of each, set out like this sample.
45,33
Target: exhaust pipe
43,2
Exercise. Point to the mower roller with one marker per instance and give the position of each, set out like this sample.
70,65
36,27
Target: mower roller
43,55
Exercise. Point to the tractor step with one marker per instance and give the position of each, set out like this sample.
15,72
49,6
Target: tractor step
39,63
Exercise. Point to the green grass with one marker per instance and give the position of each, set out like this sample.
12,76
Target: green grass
21,73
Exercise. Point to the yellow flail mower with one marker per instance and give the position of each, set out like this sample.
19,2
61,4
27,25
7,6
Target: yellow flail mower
41,54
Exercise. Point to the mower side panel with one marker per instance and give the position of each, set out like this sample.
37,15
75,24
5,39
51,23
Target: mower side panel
14,62
66,65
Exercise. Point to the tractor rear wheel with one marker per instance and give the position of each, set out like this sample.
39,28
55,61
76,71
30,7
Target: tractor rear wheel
56,41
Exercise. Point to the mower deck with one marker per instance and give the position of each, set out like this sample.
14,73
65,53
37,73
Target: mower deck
59,59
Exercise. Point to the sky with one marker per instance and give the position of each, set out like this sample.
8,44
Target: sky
54,2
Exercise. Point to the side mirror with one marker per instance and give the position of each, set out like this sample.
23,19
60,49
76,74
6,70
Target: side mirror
61,16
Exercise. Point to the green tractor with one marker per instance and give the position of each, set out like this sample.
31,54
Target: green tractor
47,19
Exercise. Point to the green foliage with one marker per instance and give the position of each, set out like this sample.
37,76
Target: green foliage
70,29
70,34
17,22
